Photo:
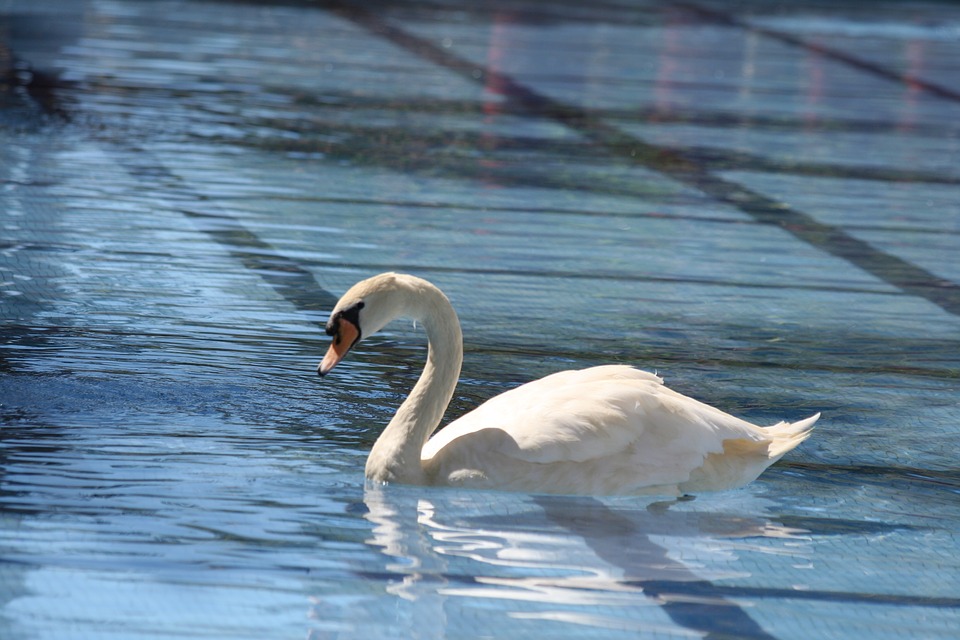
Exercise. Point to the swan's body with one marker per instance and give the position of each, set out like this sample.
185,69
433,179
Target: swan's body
604,430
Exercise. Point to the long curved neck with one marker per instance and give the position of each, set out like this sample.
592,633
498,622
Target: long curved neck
395,456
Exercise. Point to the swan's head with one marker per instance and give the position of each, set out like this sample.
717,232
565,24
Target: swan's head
365,309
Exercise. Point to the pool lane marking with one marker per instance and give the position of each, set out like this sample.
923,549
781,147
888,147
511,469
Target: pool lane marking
838,55
904,275
287,277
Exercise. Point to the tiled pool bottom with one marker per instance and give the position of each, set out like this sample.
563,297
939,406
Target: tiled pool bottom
760,206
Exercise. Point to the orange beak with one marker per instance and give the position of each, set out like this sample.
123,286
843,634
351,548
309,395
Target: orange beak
347,336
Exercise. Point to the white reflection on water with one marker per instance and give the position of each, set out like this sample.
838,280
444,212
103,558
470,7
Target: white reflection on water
574,560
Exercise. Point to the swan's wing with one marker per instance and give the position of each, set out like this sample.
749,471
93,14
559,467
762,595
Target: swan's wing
544,416
608,422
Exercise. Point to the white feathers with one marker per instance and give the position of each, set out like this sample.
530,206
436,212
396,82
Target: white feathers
604,430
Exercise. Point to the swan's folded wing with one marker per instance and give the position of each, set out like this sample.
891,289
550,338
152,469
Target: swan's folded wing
592,420
571,416
601,430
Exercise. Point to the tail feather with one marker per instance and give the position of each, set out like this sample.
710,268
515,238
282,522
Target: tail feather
787,435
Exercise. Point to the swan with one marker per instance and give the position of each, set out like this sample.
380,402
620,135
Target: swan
604,430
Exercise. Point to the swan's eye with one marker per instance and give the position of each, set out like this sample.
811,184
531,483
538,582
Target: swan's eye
346,321
351,314
333,325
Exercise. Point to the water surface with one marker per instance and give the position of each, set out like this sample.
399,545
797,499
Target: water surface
760,206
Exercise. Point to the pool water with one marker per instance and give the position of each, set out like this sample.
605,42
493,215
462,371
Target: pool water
760,204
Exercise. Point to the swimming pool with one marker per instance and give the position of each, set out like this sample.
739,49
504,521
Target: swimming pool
761,206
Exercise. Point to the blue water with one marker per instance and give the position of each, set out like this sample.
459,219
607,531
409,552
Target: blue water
761,205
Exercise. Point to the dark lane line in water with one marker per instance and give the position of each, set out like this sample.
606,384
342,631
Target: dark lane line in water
896,271
26,340
714,159
624,541
587,213
705,589
886,476
600,275
460,145
293,282
872,68
286,276
642,114
291,279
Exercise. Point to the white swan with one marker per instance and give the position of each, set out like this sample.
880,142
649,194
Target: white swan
604,430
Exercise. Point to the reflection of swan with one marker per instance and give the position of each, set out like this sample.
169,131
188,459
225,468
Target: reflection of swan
604,430
398,535
632,567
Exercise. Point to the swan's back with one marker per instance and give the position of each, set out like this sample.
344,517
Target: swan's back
604,430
